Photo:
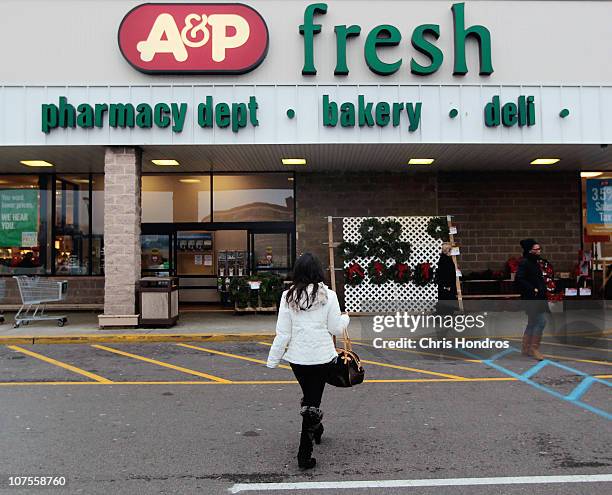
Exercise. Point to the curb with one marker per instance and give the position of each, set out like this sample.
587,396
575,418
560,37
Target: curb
134,338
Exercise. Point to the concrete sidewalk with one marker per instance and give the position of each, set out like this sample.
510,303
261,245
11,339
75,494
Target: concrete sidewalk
82,327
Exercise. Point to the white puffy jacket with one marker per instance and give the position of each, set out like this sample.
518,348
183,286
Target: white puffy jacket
304,336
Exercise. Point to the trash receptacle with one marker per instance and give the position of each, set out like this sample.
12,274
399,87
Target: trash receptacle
159,301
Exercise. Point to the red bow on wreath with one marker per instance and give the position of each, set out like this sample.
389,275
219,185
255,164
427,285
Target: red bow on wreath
379,268
426,270
354,274
355,269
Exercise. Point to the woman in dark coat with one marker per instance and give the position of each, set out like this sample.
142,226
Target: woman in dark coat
531,285
446,278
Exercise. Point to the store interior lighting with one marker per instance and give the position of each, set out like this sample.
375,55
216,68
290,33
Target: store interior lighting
294,161
165,163
545,161
36,163
421,161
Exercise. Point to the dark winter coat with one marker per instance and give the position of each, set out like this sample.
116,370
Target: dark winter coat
529,278
446,278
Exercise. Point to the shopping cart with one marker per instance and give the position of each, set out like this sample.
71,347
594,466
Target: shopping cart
35,293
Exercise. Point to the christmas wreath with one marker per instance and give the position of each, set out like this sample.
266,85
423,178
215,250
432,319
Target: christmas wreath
438,228
377,272
381,250
400,251
401,273
392,229
347,250
371,229
354,274
423,274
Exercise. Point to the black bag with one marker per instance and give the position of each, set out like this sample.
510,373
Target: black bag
346,369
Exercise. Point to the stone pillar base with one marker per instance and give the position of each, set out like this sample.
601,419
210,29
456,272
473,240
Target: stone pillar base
106,321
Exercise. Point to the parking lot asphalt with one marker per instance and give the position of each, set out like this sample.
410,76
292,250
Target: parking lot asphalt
211,418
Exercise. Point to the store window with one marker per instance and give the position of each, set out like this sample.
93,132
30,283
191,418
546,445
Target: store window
72,221
24,213
271,252
174,198
97,225
253,198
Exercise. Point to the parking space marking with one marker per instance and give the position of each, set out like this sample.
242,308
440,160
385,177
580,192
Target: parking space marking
424,353
416,370
592,361
403,368
526,378
263,382
544,342
227,354
352,485
61,364
163,364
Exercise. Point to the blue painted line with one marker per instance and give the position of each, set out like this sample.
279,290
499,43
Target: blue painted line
537,368
580,390
554,393
503,353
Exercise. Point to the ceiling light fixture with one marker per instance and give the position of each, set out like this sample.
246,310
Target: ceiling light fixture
421,161
190,181
36,163
587,175
545,161
294,161
165,163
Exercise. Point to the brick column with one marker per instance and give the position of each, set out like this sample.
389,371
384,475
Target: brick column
122,168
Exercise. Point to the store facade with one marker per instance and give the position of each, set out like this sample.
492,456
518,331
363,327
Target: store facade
168,136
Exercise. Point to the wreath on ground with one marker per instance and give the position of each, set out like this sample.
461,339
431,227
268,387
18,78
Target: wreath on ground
378,272
401,272
354,274
423,274
438,228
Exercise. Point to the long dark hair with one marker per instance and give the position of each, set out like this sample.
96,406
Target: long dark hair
307,270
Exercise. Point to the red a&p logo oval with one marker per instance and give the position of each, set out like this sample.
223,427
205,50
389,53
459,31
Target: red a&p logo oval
193,38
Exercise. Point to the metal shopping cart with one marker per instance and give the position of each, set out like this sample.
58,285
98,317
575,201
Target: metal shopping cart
35,293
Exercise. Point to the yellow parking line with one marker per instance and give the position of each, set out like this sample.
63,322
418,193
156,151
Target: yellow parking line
227,354
265,382
416,370
161,363
66,366
570,345
404,368
565,358
425,353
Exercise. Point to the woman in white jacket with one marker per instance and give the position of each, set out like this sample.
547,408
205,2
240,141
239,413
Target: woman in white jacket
308,316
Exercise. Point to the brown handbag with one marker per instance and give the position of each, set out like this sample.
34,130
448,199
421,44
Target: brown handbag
346,369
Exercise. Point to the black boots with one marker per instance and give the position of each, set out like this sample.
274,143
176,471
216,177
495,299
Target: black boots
312,429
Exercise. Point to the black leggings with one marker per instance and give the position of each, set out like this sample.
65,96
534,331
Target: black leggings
312,378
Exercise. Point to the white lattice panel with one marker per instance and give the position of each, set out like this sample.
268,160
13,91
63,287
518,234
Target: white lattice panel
390,296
